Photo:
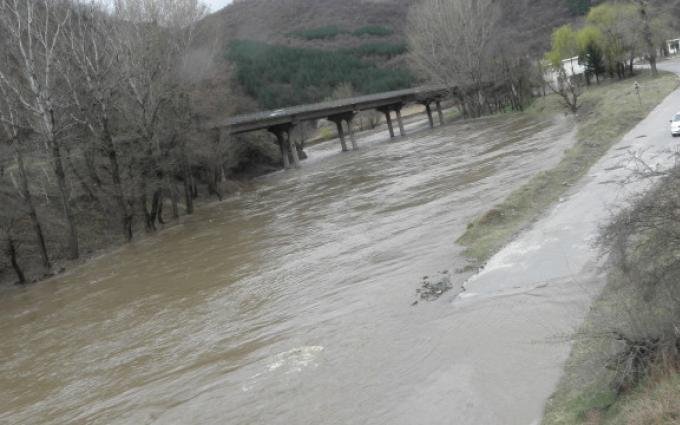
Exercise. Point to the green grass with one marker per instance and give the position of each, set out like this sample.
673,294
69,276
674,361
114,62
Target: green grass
608,111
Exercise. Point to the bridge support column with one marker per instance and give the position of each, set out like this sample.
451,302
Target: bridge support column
428,110
387,110
284,154
341,135
293,150
440,112
287,147
350,130
338,119
402,132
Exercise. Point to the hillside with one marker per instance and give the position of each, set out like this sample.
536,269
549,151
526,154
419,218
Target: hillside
306,48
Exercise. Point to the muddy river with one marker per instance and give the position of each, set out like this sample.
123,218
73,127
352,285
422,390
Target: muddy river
290,303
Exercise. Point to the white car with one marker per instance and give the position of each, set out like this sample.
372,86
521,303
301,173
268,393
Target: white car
675,125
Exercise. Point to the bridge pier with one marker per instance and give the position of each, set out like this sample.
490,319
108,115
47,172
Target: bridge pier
428,110
427,103
438,103
293,150
350,130
402,132
387,110
287,146
338,119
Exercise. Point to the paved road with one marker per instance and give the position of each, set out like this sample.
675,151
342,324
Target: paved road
550,268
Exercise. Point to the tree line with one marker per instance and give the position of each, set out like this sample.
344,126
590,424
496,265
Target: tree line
466,45
614,36
331,31
96,119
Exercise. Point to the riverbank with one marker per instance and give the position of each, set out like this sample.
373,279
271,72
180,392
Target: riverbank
607,112
624,366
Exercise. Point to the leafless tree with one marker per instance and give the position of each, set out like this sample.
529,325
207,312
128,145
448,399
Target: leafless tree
90,63
154,42
450,43
568,87
31,30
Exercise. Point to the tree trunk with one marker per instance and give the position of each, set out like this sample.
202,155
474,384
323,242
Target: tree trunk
647,36
186,181
12,253
157,206
32,213
175,202
86,187
213,185
149,218
57,163
118,193
631,66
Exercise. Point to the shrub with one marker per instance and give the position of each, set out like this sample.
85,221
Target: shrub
373,30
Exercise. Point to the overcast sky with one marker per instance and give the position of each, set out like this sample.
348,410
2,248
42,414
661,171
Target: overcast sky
216,4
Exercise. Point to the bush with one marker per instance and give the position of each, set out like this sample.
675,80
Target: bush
373,30
644,242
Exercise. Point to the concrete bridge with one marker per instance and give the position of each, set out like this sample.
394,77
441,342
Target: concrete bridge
280,122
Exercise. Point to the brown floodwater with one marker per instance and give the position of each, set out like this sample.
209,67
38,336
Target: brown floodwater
289,303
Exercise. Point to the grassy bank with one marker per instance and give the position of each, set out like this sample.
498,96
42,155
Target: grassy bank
608,111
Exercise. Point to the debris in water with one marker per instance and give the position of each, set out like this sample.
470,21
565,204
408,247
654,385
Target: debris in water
432,289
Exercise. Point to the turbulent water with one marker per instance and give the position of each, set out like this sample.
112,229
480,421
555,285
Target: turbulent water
290,303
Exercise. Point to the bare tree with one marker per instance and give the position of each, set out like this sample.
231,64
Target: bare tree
154,41
17,137
31,30
91,66
568,87
450,43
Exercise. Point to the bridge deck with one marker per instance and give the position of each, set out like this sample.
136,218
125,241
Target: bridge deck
294,114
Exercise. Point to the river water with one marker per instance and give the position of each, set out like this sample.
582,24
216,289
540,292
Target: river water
291,302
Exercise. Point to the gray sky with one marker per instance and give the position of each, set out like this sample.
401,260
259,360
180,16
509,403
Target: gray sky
216,4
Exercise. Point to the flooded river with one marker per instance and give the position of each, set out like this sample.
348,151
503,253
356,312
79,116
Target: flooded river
290,303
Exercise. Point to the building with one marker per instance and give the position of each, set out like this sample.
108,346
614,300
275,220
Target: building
572,67
673,46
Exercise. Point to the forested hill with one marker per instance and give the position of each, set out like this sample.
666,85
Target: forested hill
284,52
